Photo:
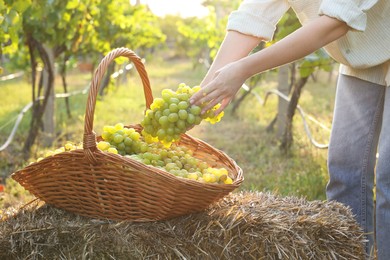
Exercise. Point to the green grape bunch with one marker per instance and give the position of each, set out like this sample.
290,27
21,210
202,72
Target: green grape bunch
121,140
180,161
172,115
175,159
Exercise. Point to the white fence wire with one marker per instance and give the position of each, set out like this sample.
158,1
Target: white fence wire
27,107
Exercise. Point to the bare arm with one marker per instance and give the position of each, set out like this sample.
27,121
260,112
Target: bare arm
234,47
225,82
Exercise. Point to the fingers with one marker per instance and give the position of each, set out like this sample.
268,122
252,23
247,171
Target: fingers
200,96
213,102
210,96
224,104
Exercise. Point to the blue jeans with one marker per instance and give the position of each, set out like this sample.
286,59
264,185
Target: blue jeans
360,131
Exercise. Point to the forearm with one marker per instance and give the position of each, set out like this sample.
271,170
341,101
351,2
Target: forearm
297,45
234,47
227,75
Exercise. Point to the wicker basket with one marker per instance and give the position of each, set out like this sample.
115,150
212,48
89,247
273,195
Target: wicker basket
103,185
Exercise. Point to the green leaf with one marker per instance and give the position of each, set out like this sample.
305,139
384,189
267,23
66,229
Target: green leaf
21,5
72,4
2,5
66,17
327,67
306,69
12,17
4,26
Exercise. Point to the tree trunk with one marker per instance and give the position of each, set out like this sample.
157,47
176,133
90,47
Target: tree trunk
65,85
33,62
287,138
38,105
49,110
283,87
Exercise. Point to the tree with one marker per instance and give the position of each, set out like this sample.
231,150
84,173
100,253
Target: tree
11,19
289,84
316,61
71,29
203,36
61,32
134,27
286,25
175,41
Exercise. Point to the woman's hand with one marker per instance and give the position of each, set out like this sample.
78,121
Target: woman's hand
221,89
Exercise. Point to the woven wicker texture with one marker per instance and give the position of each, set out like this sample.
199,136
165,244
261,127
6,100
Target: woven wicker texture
97,184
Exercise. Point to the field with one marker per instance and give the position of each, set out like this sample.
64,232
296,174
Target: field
301,172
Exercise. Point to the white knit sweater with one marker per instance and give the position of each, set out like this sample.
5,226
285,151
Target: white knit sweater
364,52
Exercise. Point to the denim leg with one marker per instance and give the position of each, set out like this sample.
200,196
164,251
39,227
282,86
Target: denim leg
353,147
383,186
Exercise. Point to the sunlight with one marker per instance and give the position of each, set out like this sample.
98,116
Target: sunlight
176,7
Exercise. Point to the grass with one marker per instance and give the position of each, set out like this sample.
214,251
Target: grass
301,172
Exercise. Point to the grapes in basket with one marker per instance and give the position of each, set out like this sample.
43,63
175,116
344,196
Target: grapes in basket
175,159
69,146
172,114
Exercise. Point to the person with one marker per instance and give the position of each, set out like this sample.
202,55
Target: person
357,35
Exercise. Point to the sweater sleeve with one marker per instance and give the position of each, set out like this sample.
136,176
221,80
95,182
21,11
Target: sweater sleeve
352,12
257,17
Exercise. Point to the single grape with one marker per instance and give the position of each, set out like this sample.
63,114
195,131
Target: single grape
173,117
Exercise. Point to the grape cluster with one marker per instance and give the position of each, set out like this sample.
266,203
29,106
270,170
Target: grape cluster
180,162
175,159
120,140
69,146
172,115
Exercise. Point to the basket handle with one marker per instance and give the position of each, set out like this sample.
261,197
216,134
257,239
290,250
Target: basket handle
89,141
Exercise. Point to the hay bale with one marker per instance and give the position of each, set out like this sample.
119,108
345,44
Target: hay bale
243,225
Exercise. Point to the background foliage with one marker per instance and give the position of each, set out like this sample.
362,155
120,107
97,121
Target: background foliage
176,50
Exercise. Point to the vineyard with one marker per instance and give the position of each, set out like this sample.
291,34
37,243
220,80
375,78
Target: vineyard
301,172
250,179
